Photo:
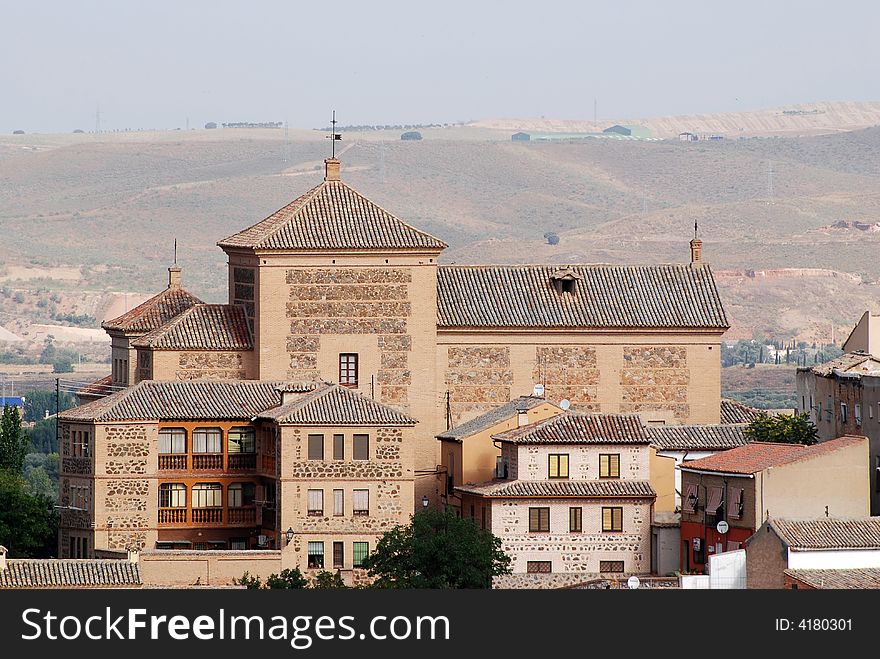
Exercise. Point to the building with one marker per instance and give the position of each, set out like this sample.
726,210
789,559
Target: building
27,573
865,336
825,552
315,470
745,486
688,137
13,401
469,454
843,397
575,497
520,137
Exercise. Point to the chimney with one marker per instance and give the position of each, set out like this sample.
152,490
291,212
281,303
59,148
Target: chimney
696,251
174,276
522,418
331,169
3,551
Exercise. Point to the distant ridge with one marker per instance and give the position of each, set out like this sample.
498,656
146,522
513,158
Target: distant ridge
805,119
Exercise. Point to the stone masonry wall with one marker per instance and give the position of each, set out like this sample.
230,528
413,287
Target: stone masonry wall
125,502
568,372
210,366
478,378
655,378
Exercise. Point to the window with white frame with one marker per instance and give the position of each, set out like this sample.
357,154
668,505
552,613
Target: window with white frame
315,502
207,440
172,440
361,502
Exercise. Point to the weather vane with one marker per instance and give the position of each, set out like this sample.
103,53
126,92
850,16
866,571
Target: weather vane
333,136
695,229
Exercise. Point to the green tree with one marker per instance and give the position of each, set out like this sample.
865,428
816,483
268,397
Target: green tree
13,441
43,437
38,401
325,580
784,428
28,523
287,580
249,582
437,549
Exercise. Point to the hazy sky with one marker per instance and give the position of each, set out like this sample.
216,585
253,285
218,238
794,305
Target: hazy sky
153,64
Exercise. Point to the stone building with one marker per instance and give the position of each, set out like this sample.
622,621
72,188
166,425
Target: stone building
747,485
334,288
576,498
235,465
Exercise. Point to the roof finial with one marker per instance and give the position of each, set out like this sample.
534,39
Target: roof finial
695,229
175,251
331,164
333,136
174,270
696,248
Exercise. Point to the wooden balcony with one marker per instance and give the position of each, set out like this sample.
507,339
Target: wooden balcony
241,462
207,462
268,464
172,516
245,515
207,516
173,461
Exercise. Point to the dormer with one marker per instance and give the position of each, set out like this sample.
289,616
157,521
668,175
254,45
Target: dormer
565,280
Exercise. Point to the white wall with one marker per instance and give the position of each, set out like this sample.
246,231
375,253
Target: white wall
833,560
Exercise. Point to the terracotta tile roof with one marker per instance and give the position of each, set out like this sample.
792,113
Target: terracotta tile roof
572,428
331,404
98,388
561,488
69,573
202,327
698,438
674,296
332,216
153,313
196,399
733,411
850,362
841,579
493,417
757,456
829,533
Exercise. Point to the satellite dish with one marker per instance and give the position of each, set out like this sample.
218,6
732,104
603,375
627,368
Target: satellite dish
633,582
565,403
538,390
722,527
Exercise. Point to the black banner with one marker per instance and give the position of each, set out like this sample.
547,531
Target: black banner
223,623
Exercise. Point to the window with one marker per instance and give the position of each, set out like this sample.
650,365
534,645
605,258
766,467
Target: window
240,494
361,502
172,440
316,555
539,567
359,551
361,447
803,403
558,465
568,285
610,566
338,503
316,502
239,544
316,447
715,501
690,500
241,440
207,440
857,413
207,495
843,412
539,520
609,465
339,447
870,411
348,369
612,519
735,507
483,516
576,519
338,554
172,495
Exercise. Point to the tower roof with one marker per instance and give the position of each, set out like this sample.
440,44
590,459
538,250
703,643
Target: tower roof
155,312
332,216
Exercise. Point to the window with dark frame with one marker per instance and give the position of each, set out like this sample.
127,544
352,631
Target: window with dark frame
558,467
361,445
612,519
338,554
172,440
610,566
172,495
207,495
359,551
207,440
316,555
576,519
539,520
539,567
735,507
609,465
348,369
241,440
338,503
339,447
316,447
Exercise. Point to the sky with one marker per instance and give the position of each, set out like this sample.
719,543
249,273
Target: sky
161,63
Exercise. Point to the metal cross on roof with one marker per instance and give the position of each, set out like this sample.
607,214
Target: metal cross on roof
333,136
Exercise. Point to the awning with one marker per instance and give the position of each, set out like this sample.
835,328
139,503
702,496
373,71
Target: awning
690,499
716,496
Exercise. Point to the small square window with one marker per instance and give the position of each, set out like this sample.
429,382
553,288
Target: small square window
316,447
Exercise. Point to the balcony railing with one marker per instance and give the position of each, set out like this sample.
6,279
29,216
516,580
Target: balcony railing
208,461
241,461
172,515
175,461
241,516
207,515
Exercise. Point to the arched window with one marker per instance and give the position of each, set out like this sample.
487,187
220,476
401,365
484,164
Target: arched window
207,495
172,495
